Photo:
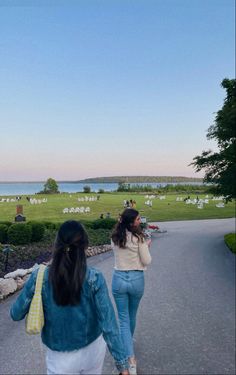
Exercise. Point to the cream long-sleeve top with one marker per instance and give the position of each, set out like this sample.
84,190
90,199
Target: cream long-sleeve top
134,256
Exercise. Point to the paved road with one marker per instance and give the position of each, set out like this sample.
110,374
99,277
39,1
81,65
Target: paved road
186,321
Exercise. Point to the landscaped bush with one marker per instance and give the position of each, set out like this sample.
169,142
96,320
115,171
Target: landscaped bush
3,233
86,223
98,237
8,223
38,230
19,234
49,224
104,223
57,226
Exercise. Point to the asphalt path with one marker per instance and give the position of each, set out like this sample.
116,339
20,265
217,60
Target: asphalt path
186,320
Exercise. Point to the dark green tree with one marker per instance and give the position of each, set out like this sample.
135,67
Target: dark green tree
87,189
50,187
220,166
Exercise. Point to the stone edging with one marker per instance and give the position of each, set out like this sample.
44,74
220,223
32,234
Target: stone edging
14,281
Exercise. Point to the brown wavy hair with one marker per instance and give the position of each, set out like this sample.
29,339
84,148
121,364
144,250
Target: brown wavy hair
126,222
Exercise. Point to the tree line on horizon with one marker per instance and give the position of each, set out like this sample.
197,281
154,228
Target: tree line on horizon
139,179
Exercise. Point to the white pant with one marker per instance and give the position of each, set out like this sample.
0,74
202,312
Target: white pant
88,360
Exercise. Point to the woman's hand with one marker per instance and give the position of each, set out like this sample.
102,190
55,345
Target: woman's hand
125,372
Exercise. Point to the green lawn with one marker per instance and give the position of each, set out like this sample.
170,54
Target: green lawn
230,240
162,210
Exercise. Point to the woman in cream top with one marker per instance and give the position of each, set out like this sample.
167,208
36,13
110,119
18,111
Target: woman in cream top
134,256
131,252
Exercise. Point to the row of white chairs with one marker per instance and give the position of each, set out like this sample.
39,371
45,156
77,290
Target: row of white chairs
76,210
218,205
87,199
38,201
7,200
197,201
154,196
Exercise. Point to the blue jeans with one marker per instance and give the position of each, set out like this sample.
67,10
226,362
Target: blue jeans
127,290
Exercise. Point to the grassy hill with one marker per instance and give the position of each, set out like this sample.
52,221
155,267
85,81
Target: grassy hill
166,209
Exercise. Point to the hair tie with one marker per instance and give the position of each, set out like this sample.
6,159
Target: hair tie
67,249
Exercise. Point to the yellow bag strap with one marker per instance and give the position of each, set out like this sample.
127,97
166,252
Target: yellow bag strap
39,280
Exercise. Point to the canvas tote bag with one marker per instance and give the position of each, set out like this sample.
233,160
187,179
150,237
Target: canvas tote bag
35,318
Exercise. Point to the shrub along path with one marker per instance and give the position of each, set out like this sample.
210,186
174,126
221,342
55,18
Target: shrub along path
186,318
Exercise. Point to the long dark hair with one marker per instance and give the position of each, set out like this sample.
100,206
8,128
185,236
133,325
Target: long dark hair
68,268
126,222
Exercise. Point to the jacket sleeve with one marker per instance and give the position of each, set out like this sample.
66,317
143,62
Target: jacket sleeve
22,304
108,323
144,253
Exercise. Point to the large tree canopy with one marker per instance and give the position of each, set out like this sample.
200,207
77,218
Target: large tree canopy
50,187
220,167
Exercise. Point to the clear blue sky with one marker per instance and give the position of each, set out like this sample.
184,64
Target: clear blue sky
110,87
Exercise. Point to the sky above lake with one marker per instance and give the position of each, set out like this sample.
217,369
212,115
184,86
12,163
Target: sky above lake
110,87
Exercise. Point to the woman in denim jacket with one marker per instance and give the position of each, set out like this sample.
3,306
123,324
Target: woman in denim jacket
132,255
78,312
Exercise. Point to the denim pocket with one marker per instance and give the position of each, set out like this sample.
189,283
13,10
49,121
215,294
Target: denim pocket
138,285
116,283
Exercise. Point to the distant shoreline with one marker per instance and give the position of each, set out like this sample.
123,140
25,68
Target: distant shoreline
117,179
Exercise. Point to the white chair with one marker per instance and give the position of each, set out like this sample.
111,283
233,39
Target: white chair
220,205
200,205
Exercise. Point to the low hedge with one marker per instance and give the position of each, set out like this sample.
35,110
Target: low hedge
49,225
3,233
99,236
8,223
34,231
19,234
38,230
107,223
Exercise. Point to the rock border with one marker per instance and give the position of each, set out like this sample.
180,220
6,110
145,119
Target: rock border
14,281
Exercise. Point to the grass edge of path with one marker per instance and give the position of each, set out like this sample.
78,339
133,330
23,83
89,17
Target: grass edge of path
230,240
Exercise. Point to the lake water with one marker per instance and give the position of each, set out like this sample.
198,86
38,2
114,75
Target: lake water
29,188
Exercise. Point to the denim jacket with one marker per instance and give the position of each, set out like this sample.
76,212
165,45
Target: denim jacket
70,328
